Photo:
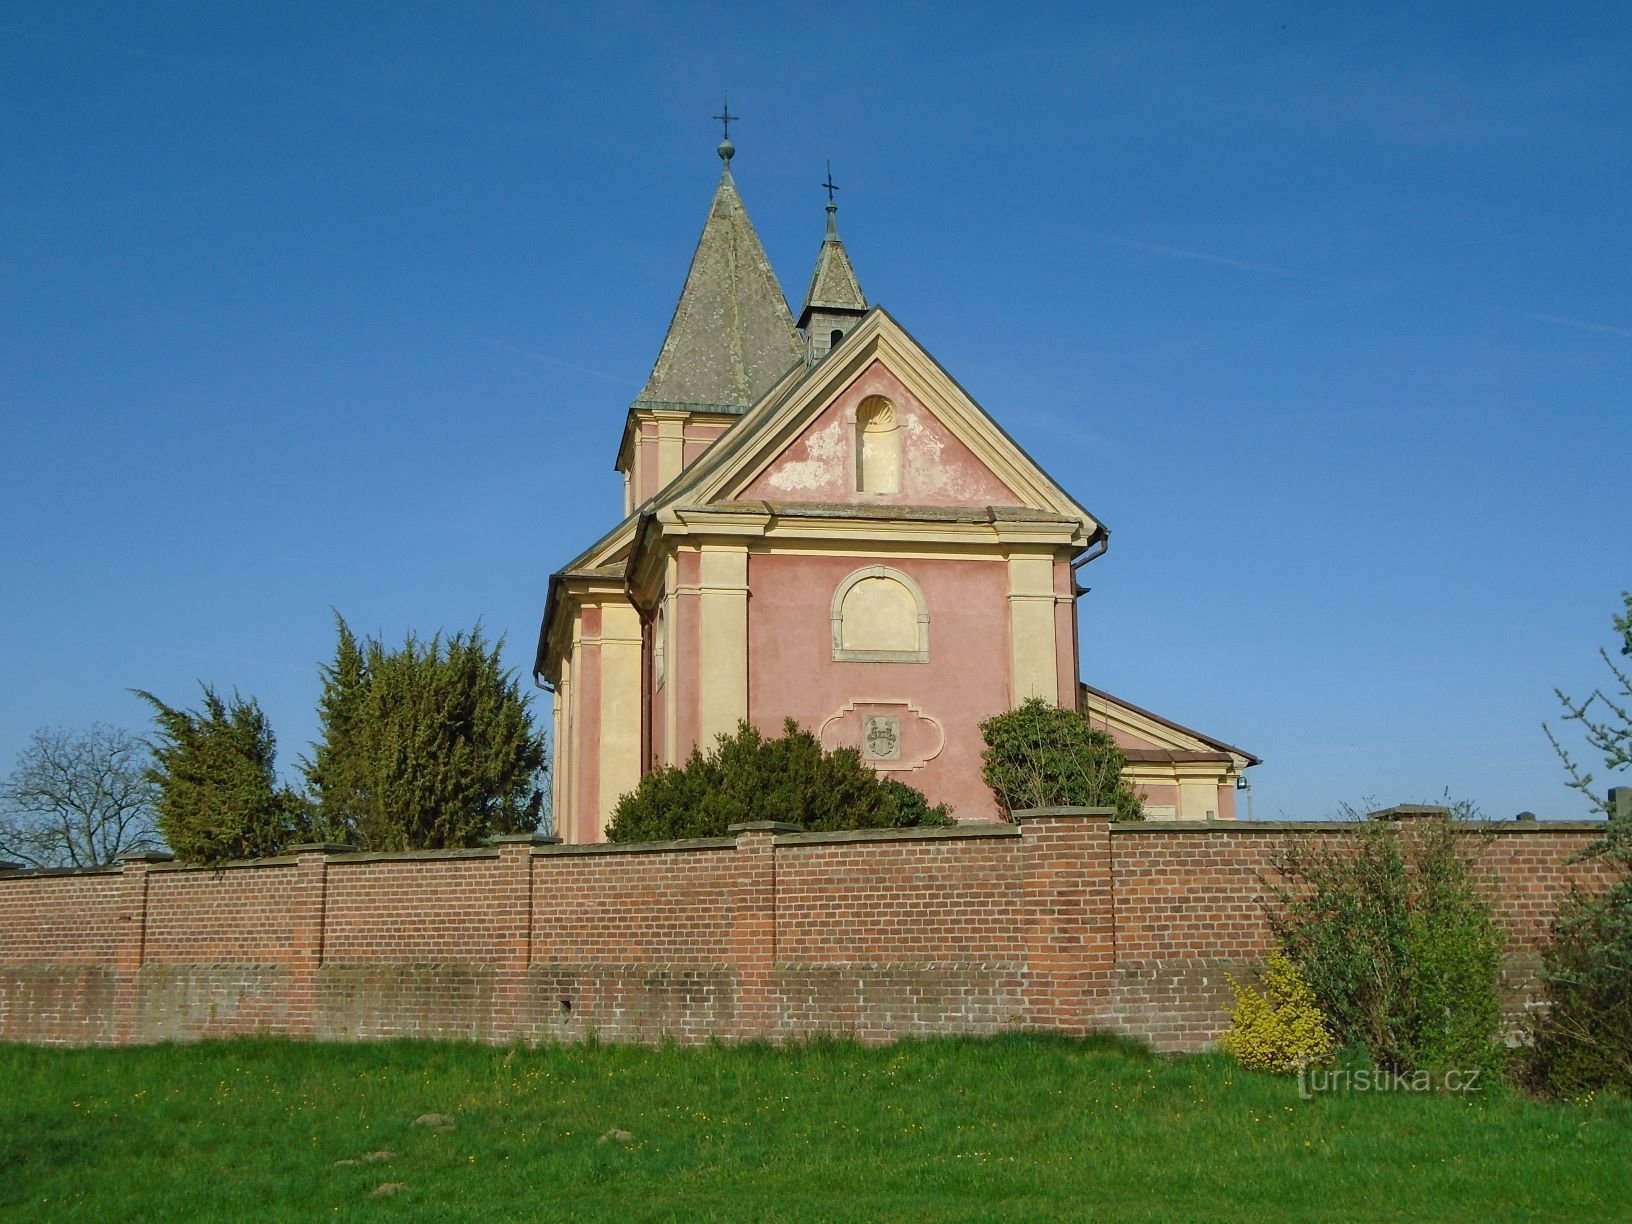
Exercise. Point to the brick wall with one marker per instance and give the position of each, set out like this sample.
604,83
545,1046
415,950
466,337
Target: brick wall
59,934
885,935
1064,922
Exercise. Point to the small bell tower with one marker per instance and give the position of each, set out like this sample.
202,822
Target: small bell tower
834,302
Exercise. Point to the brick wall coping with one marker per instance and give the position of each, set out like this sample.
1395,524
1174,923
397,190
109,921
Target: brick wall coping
1343,826
411,856
36,873
1021,815
1534,826
647,847
878,835
282,860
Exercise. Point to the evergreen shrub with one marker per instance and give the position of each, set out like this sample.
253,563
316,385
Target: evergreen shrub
426,746
217,791
1280,1028
750,777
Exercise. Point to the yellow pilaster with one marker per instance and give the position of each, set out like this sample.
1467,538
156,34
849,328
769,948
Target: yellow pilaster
571,775
1032,663
671,445
723,647
619,746
559,741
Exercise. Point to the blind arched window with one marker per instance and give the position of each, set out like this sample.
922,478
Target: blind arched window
878,447
879,616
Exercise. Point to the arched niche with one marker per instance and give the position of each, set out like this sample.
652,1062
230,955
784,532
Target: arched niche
878,446
879,616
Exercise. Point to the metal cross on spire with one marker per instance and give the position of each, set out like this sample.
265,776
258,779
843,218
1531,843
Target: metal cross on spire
725,116
830,184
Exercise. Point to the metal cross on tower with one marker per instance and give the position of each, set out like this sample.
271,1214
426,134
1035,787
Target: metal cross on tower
830,184
726,117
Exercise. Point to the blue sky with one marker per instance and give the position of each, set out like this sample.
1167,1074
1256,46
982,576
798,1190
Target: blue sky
1325,310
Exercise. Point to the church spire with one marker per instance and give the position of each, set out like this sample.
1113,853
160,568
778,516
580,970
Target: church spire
834,301
732,335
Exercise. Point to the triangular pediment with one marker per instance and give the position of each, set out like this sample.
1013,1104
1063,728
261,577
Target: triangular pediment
798,443
934,467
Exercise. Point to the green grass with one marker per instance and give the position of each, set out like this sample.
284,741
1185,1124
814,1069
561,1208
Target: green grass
1015,1128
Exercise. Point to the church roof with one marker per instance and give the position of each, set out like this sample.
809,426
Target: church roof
731,336
1181,743
802,392
833,284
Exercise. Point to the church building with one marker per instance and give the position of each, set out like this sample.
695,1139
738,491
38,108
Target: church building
821,524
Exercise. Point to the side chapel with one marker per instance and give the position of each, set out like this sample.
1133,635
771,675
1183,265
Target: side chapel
821,524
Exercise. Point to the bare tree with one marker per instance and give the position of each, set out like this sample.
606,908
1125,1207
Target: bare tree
77,799
1605,719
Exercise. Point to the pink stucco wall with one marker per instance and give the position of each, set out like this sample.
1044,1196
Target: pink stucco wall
655,724
1065,636
793,672
645,482
936,469
697,437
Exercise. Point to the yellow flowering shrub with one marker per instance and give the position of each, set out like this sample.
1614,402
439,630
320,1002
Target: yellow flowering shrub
1280,1028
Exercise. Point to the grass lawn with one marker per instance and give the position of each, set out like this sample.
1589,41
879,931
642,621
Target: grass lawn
1015,1128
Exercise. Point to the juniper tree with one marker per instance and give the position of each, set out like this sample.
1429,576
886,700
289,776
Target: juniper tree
218,791
426,746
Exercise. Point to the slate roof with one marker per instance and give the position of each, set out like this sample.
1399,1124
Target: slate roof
833,283
731,336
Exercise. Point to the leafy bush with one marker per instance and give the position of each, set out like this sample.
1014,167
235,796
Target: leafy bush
1280,1028
1039,755
218,795
1582,1042
747,777
1397,941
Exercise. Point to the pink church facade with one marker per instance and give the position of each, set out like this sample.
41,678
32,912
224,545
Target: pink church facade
821,525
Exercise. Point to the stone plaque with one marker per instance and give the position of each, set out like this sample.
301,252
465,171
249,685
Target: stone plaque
891,735
881,737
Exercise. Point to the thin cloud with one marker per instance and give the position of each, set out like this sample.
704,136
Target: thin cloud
545,357
1222,261
1606,329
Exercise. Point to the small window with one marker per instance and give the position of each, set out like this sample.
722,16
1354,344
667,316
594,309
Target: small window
878,447
879,616
833,338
